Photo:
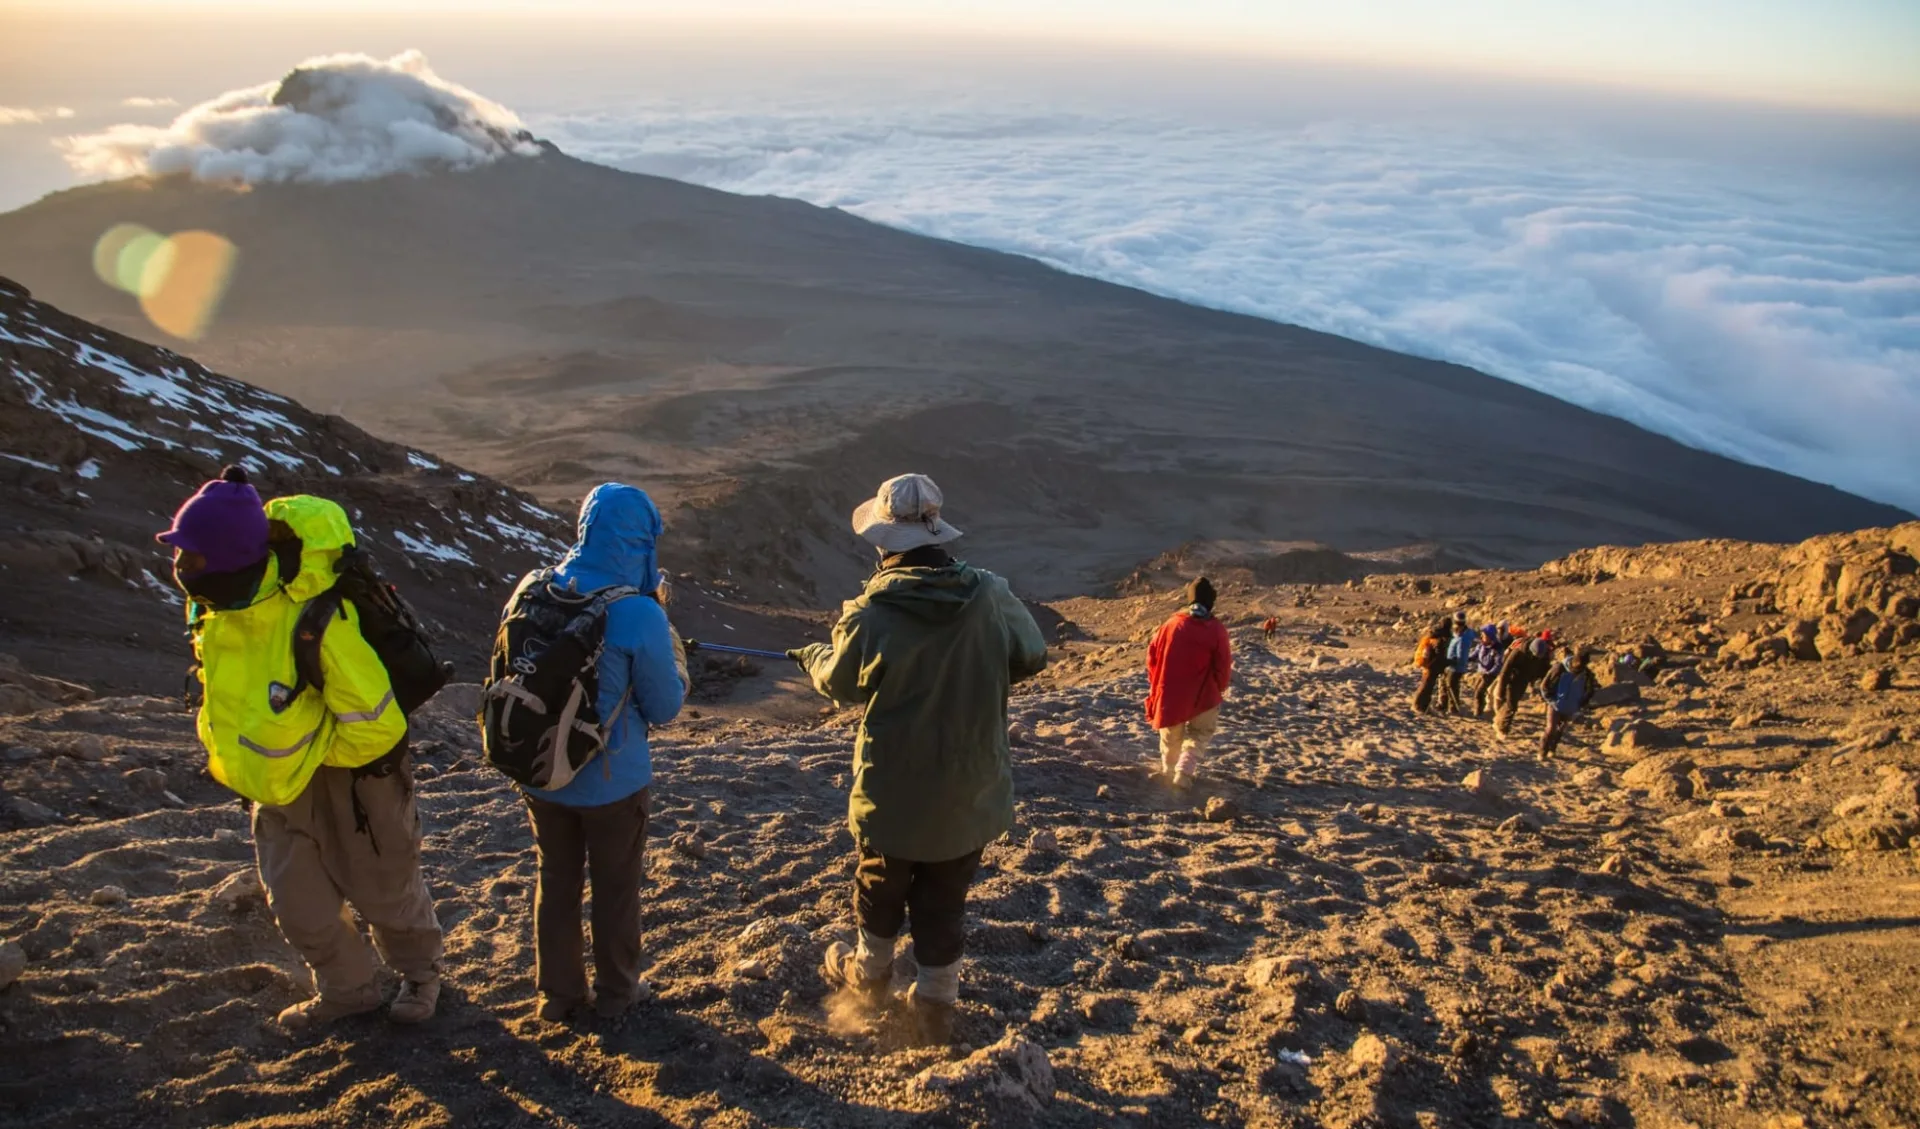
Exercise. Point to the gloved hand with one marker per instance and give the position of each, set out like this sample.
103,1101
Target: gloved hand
796,654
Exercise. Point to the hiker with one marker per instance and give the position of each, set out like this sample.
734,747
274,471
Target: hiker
1269,628
1517,672
929,648
1430,658
1459,662
1189,664
334,821
1486,658
595,824
1567,688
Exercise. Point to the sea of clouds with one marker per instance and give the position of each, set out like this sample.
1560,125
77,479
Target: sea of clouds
1768,310
1773,317
340,117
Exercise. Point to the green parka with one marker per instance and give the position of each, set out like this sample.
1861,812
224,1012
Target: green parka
930,652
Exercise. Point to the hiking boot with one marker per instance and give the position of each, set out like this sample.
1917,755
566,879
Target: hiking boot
415,1002
1182,781
609,1006
554,1009
841,968
932,1019
322,1010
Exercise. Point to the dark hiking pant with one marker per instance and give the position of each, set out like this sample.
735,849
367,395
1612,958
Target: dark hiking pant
1483,694
1423,697
930,896
1557,724
607,844
1450,692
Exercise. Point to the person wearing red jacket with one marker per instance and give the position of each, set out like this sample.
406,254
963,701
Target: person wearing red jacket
1189,664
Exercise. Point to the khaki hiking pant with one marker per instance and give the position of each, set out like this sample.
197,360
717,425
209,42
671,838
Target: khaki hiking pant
607,845
322,854
1181,745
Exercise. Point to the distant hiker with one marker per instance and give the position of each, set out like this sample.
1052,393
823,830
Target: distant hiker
1430,658
1520,668
1488,651
301,718
930,648
1459,662
1189,665
593,821
1567,688
1270,627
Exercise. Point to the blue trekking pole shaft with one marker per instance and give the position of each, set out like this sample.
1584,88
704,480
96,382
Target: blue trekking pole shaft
697,645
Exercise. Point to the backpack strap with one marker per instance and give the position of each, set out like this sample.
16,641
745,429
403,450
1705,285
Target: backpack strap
309,631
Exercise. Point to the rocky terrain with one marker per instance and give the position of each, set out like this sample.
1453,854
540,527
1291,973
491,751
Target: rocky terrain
1704,913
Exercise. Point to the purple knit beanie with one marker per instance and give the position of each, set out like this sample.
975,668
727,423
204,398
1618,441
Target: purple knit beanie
225,523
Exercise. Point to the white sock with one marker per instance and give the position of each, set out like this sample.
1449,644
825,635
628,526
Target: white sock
874,954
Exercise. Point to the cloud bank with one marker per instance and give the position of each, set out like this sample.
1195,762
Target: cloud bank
342,117
1770,315
27,115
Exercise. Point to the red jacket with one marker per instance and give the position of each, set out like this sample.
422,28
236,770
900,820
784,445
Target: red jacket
1188,665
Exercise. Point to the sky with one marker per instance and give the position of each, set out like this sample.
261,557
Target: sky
1703,217
1860,54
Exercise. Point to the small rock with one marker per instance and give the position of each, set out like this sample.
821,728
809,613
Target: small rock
1197,1036
1443,874
753,968
1348,1005
1219,809
147,779
30,813
1615,864
1043,840
1480,783
239,887
19,753
1517,825
13,961
227,835
689,846
1877,679
1266,970
1465,1045
1370,1054
87,747
108,896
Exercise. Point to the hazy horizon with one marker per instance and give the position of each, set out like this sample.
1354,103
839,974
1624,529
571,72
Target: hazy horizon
1744,277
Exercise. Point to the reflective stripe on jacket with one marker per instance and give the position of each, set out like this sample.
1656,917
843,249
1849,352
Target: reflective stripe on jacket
261,743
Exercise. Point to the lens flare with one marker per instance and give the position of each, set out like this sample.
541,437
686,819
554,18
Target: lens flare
180,279
106,251
184,282
131,264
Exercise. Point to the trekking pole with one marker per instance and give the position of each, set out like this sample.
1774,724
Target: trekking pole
696,645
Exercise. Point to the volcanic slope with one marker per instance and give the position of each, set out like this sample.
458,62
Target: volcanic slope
1702,914
765,362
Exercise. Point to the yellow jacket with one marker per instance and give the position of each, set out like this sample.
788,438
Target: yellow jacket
259,743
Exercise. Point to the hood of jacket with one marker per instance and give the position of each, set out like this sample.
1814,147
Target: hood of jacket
325,533
936,595
614,543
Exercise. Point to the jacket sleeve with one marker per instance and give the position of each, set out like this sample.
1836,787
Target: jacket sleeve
1026,646
367,721
843,670
649,679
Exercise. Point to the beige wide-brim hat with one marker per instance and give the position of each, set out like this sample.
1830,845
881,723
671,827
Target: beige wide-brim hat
904,514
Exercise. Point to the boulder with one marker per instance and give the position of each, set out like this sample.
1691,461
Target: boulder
1618,694
1663,776
1878,679
31,814
1013,1072
1630,736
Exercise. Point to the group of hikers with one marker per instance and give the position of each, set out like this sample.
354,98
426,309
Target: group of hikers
1507,664
308,665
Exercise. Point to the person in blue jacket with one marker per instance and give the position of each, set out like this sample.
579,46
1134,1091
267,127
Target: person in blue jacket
1567,688
597,822
1459,661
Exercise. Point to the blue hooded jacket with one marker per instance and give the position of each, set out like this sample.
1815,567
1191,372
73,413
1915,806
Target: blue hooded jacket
618,527
1460,652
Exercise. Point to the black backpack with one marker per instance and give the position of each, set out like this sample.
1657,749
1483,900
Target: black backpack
387,623
540,718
